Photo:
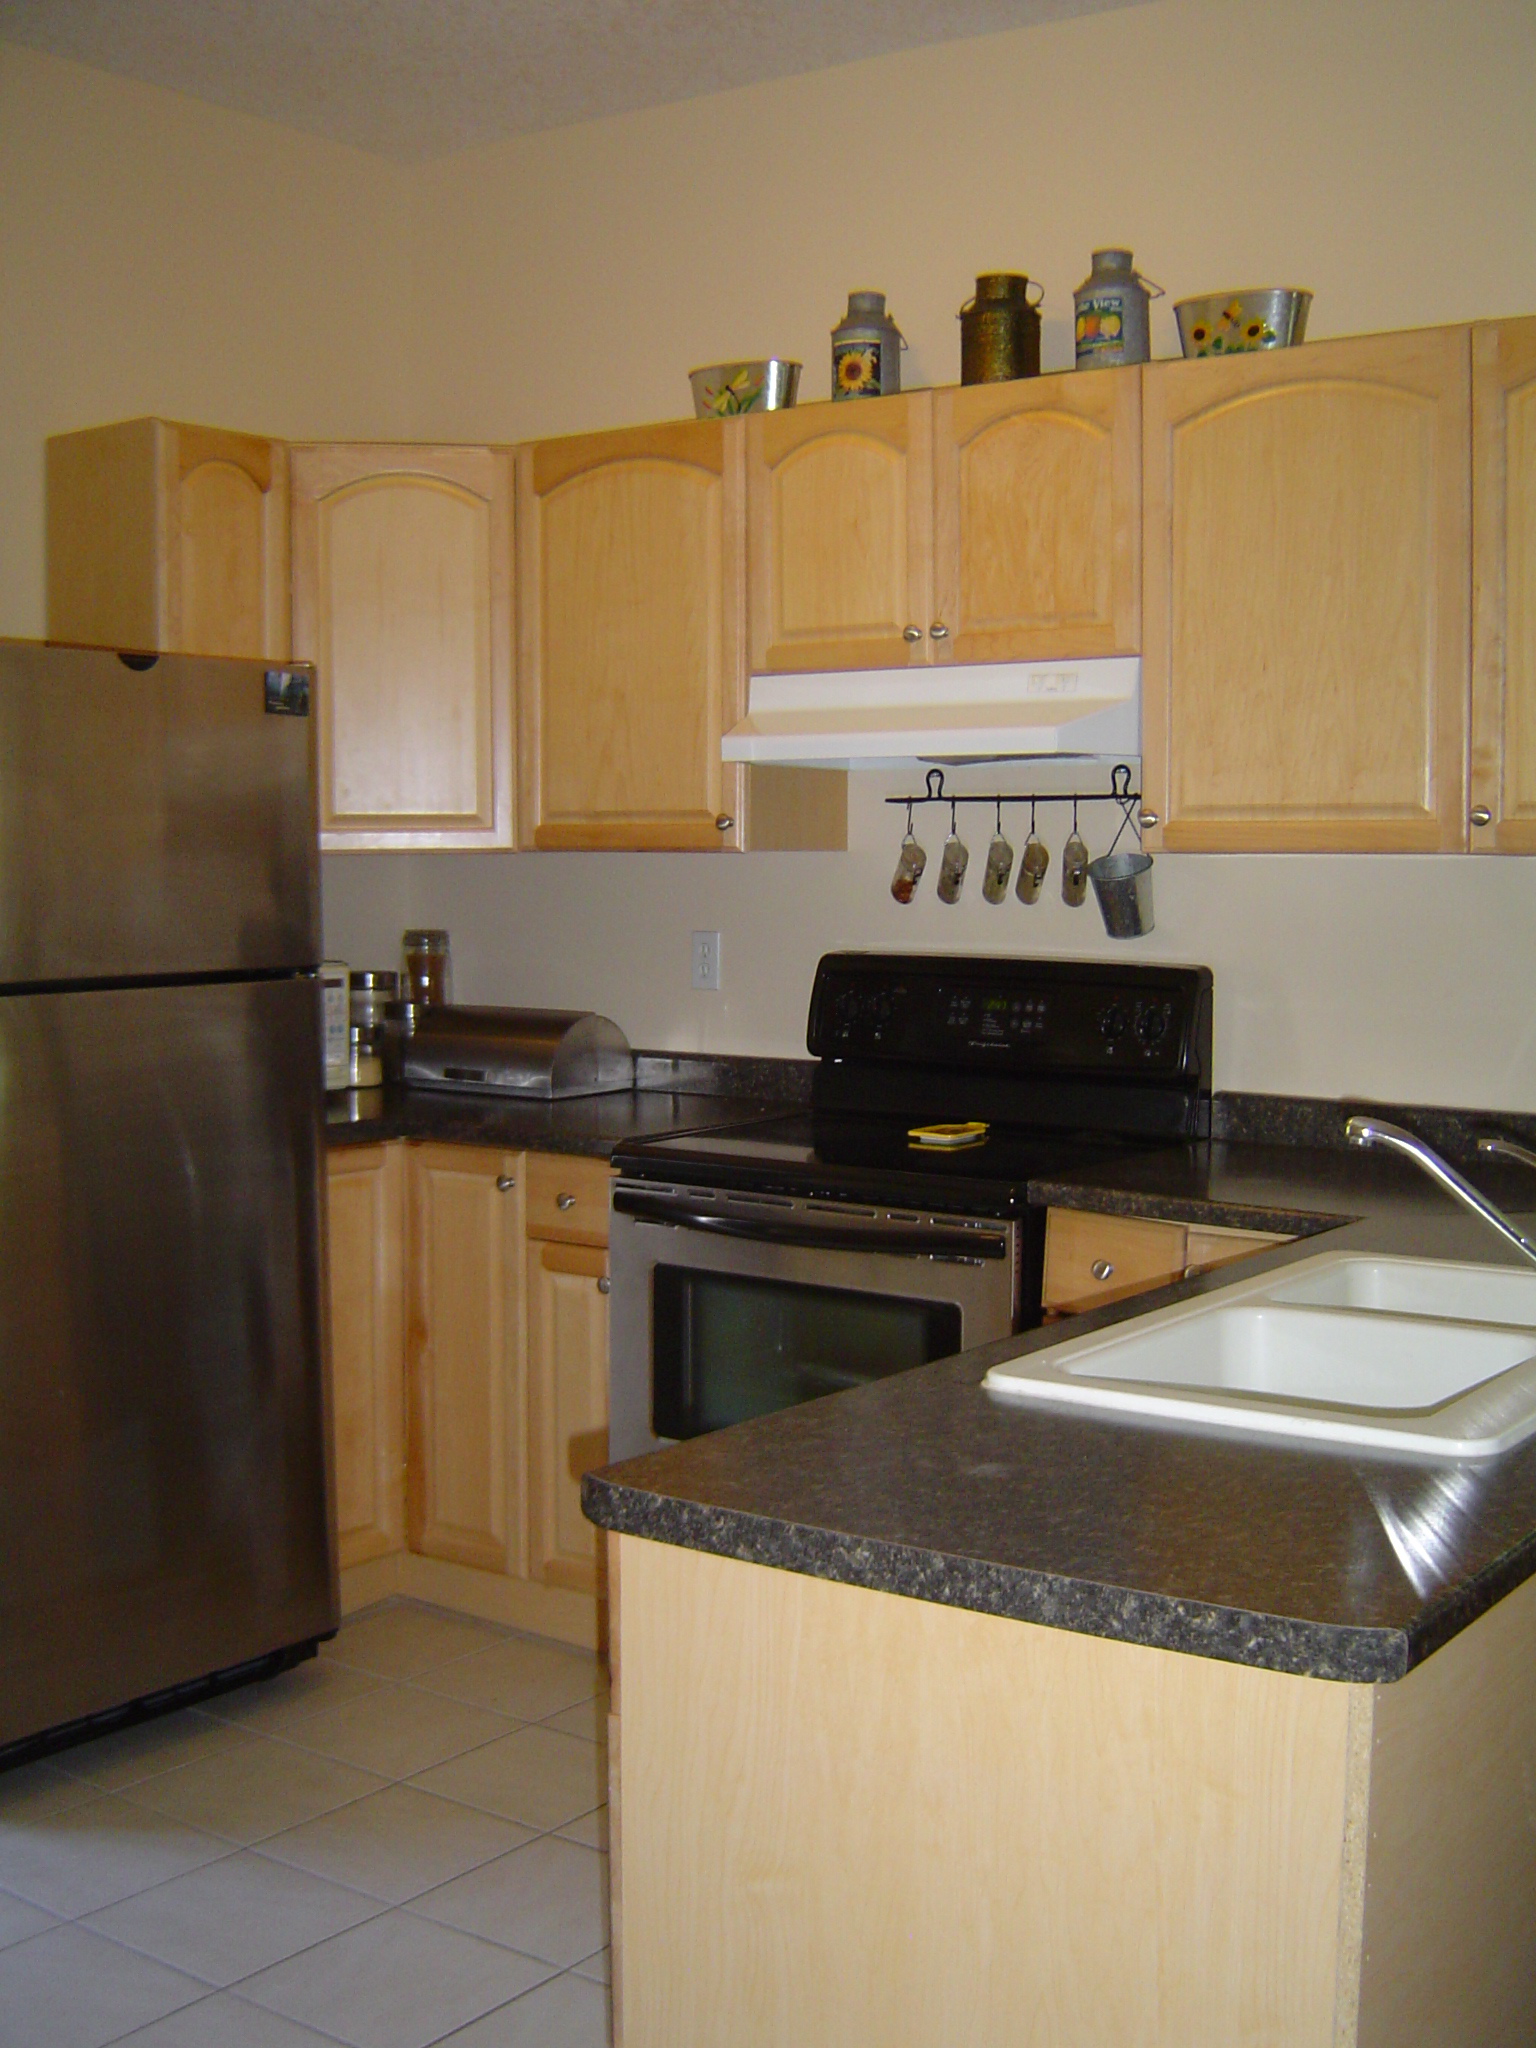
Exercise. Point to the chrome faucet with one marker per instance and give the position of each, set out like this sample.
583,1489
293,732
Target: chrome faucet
1506,1148
1370,1130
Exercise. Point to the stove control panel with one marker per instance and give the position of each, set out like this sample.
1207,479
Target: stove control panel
1019,1017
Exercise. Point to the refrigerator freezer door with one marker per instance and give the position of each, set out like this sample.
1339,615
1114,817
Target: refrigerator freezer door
154,821
164,1476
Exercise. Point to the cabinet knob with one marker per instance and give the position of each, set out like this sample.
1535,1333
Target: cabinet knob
1101,1269
938,630
724,821
604,1284
1148,820
1481,815
911,634
565,1201
504,1183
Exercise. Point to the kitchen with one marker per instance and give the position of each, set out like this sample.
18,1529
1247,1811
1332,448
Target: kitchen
360,298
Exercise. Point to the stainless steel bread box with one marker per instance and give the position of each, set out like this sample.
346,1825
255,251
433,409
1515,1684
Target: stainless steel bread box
544,1053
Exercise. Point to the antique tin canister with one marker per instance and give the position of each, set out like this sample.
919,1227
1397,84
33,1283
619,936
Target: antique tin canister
1112,324
999,331
866,349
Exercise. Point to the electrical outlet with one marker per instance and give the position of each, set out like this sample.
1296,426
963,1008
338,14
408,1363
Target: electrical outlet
706,960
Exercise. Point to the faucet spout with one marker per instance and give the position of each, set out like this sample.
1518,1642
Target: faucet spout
1370,1130
1506,1148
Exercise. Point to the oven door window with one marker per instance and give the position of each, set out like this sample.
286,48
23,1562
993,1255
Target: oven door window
725,1348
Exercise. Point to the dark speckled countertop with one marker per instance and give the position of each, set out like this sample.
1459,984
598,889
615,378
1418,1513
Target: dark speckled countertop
1326,1562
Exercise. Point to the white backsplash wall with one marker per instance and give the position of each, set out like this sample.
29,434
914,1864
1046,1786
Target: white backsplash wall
1410,978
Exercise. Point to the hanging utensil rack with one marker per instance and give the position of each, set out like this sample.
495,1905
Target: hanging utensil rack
1119,792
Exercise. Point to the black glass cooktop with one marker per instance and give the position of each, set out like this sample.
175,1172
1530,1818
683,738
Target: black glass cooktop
869,1158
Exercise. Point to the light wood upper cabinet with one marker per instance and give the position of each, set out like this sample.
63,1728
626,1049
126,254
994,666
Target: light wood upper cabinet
630,637
366,1219
402,597
1037,518
465,1356
839,524
567,1407
1306,596
1504,585
170,537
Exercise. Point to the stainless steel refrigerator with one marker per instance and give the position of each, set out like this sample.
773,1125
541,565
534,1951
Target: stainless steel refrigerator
165,1488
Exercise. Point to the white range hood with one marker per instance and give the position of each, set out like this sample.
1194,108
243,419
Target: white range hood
872,718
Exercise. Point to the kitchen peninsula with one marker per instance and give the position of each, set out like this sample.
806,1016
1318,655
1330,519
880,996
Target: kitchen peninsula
943,1719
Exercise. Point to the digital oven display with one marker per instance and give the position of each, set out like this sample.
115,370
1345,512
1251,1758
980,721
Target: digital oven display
980,1016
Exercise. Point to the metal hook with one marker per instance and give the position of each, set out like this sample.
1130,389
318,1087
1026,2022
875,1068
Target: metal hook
953,830
1120,782
910,801
999,817
935,783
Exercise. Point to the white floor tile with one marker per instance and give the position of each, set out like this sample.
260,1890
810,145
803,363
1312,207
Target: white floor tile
396,1843
95,1854
256,1790
395,1982
19,1920
225,2022
71,1989
536,1776
33,1791
271,1706
568,2012
589,1720
549,1899
398,1731
520,1677
590,1829
405,1641
129,1755
234,1918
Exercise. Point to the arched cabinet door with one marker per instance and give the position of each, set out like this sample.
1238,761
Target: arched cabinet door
1037,518
1504,587
1306,549
839,535
630,647
402,597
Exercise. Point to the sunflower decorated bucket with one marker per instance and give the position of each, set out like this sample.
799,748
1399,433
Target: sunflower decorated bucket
866,349
1234,323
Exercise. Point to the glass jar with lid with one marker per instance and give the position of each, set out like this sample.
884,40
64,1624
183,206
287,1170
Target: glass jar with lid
428,967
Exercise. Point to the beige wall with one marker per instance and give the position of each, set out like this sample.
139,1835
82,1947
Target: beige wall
161,256
1384,155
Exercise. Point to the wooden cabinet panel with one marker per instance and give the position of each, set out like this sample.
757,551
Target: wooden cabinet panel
630,622
567,1408
1037,517
567,1197
1305,545
168,536
1208,1245
465,1356
402,597
1130,1254
1504,585
839,522
366,1229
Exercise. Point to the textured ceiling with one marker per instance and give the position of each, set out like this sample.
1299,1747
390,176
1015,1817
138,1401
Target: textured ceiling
414,79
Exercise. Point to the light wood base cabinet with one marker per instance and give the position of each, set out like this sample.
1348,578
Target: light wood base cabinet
366,1231
465,1356
169,537
1092,1259
843,1816
402,598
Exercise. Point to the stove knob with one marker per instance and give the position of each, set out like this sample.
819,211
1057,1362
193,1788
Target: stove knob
1112,1023
1152,1021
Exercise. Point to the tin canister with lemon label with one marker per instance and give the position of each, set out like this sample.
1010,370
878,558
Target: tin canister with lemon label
1113,324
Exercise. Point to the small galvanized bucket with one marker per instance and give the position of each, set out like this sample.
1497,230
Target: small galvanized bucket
1123,884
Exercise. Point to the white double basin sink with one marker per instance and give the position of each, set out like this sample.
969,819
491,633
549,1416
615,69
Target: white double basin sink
1405,1355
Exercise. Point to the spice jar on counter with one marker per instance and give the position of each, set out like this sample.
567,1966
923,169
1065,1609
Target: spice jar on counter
428,968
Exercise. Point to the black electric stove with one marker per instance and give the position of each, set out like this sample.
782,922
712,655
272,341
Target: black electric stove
773,1261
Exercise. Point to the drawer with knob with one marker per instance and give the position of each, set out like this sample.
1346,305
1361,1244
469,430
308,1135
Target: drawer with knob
567,1198
1091,1259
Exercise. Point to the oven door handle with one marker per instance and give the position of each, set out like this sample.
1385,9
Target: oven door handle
817,1237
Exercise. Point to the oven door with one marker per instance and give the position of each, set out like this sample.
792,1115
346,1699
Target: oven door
726,1306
